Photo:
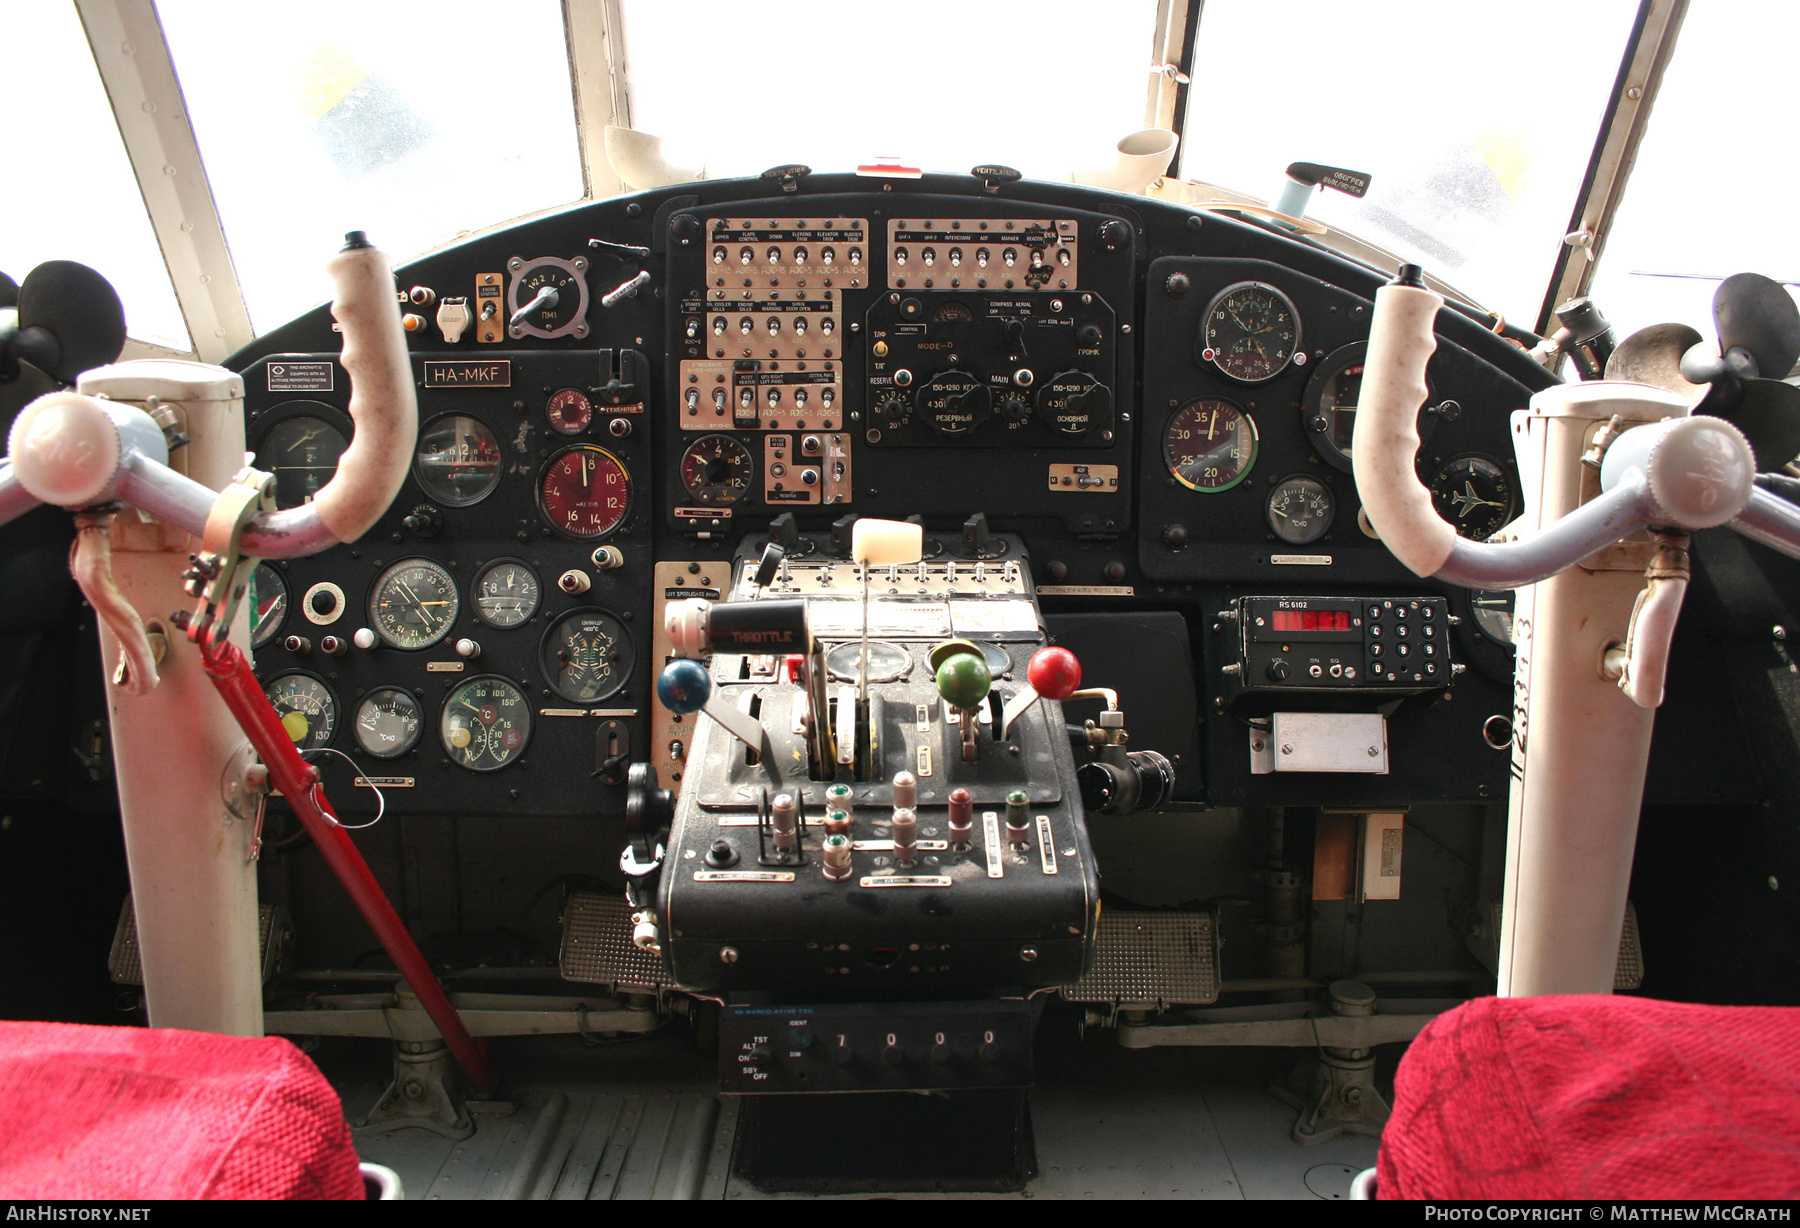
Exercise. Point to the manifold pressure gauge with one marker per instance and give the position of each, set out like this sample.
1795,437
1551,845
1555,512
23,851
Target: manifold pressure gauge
546,297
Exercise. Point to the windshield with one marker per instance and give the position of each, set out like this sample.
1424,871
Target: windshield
1475,124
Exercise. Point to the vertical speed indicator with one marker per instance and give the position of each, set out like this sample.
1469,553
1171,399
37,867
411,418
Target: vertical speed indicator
585,492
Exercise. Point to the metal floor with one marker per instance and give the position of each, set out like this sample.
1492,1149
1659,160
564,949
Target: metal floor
642,1119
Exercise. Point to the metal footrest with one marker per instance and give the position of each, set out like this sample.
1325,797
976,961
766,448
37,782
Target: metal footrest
1152,961
126,962
597,947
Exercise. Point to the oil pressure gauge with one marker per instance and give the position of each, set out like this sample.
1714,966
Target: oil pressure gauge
546,297
486,724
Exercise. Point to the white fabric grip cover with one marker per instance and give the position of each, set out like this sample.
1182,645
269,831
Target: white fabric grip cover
1387,436
885,543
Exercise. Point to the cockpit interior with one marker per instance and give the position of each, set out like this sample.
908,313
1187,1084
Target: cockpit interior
819,608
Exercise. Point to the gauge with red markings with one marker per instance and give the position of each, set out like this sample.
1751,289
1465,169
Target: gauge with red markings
570,412
585,492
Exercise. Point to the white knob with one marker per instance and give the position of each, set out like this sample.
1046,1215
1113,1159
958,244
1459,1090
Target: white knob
363,638
468,648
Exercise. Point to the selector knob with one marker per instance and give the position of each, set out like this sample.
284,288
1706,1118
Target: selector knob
1279,670
760,1054
1114,234
1074,401
954,402
1014,407
892,410
891,1054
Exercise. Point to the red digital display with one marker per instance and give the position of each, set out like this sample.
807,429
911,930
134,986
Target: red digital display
1312,620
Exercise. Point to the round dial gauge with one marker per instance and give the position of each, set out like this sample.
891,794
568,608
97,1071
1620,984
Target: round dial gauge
1300,510
1328,410
1210,444
1250,332
886,661
1474,494
388,722
1493,611
585,492
458,460
570,412
954,402
587,655
548,297
268,604
413,604
506,593
717,470
302,452
306,706
486,724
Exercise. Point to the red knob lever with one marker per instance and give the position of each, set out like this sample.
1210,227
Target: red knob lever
1054,673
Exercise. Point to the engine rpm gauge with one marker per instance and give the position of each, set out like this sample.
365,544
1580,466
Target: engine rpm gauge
268,604
1251,332
587,655
570,412
458,460
1473,493
1300,509
388,722
413,604
585,492
716,470
1210,444
486,724
506,593
306,707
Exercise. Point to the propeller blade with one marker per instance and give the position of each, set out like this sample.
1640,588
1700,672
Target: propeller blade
1768,412
1653,356
1758,314
9,292
79,308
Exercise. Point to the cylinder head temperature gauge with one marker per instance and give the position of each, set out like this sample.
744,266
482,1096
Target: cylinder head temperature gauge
486,724
587,655
585,492
1210,444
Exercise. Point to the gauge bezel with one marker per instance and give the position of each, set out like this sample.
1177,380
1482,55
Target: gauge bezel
356,722
418,474
481,571
287,605
1508,472
266,421
375,589
1330,518
331,694
557,425
1318,427
730,441
1295,354
1255,445
550,639
449,700
543,474
518,268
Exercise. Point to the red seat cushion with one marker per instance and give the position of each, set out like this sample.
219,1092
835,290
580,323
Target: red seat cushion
146,1113
1593,1096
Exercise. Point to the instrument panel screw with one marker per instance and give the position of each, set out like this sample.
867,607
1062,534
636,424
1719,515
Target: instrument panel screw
1028,954
728,955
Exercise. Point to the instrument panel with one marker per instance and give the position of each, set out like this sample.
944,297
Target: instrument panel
1159,404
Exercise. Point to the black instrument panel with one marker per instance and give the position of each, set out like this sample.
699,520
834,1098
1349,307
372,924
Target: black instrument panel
1159,403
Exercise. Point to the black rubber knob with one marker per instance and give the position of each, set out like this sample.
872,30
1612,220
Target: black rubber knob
685,228
1115,571
1114,235
323,602
1057,570
1279,670
1175,536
